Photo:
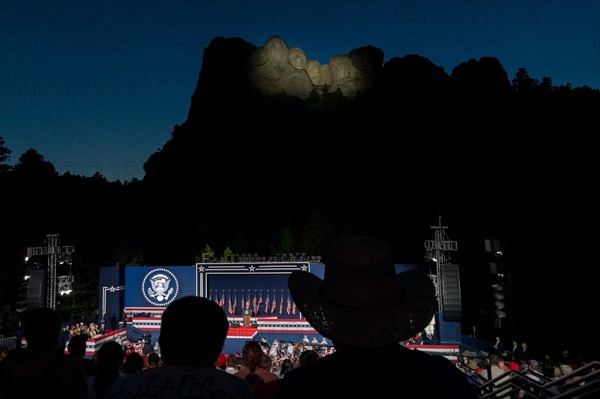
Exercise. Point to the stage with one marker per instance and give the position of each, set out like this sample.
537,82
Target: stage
253,295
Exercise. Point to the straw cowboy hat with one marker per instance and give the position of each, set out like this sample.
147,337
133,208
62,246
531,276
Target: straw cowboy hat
362,300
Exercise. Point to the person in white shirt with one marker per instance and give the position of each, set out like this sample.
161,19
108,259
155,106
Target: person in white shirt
274,350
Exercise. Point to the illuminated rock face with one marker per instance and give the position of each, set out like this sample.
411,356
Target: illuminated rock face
276,69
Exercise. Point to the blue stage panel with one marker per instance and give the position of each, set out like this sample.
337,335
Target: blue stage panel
250,286
157,286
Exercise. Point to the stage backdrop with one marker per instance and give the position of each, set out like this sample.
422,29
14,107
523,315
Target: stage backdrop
236,286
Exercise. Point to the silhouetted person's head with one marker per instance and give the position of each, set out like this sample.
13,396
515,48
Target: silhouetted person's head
494,359
286,365
41,327
231,360
133,362
77,345
252,355
362,301
153,359
308,356
266,362
199,318
110,357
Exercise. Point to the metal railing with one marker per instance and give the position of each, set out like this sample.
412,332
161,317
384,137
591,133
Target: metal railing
8,342
583,382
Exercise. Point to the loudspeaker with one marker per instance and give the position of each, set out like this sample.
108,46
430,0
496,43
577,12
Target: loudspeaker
452,308
36,289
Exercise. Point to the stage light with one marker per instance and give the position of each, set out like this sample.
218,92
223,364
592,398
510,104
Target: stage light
65,284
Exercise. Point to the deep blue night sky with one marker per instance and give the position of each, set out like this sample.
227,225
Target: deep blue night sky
98,86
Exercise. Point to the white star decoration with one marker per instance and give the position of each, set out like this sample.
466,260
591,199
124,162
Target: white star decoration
304,268
251,268
201,268
112,289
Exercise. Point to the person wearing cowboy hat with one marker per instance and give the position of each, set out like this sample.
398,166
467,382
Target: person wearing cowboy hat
367,309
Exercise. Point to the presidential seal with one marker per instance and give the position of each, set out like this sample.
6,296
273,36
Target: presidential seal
160,287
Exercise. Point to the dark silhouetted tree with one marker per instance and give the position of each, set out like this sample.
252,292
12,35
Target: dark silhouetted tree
33,165
129,257
316,234
4,156
209,253
523,83
287,242
546,85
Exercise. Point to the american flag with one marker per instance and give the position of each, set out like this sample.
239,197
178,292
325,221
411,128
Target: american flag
234,302
289,305
254,306
222,300
248,299
267,302
281,303
274,304
293,307
229,304
260,301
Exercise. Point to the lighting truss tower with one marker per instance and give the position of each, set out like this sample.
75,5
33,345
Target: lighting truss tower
52,250
437,250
